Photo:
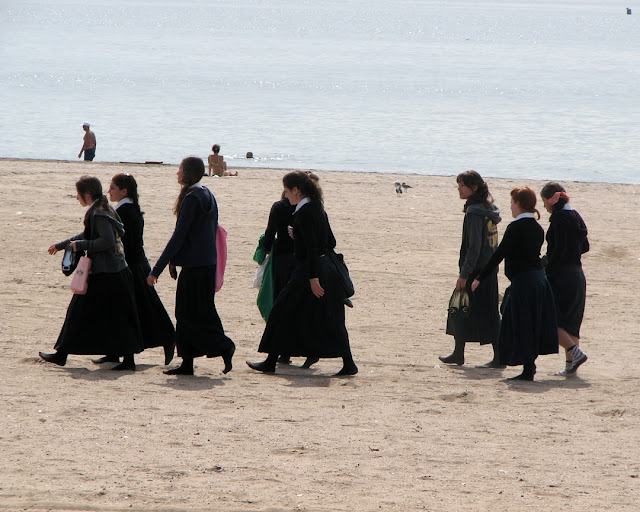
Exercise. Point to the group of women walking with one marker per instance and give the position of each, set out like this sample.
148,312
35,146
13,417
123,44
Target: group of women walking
307,317
544,305
541,309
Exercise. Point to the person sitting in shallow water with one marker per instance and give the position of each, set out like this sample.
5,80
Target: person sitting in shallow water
217,163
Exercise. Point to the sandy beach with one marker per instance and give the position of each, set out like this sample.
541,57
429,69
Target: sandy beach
406,433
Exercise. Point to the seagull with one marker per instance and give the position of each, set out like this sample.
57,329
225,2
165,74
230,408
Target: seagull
398,187
406,185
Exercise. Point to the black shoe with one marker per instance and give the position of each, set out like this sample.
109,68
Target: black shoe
169,350
226,357
264,366
55,358
106,359
125,366
180,370
310,361
452,359
347,370
492,364
284,360
523,376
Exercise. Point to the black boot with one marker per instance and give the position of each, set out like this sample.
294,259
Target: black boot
528,371
458,354
106,359
309,362
227,357
284,359
169,350
348,367
128,363
495,362
59,358
186,368
266,366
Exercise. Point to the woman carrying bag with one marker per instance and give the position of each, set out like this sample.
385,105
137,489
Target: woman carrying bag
308,317
192,246
479,241
109,298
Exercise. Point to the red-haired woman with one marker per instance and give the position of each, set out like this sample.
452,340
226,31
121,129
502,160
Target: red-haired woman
529,325
566,243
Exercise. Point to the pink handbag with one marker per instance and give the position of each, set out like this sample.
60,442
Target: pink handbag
221,248
80,279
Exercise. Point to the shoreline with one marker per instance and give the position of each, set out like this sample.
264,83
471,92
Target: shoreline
288,169
407,433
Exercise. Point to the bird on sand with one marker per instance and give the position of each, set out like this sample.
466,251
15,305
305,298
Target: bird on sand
398,187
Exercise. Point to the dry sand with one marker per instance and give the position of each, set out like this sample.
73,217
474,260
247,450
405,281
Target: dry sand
407,433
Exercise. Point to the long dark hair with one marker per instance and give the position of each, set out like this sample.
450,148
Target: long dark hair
549,190
192,172
125,181
92,186
307,183
482,195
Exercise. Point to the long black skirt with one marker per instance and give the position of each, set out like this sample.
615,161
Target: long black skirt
300,324
104,321
483,322
529,326
283,266
199,330
157,327
570,292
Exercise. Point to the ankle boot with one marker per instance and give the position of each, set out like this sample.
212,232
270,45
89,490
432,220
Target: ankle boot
458,354
495,362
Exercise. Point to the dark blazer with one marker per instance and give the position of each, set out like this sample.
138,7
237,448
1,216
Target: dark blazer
193,243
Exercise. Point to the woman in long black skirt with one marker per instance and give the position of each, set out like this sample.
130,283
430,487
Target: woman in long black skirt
308,317
280,245
192,246
566,243
479,242
529,325
157,327
109,298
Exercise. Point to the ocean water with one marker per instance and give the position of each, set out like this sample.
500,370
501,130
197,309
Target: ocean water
521,89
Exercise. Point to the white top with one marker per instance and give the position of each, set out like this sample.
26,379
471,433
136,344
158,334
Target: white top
525,215
302,202
124,200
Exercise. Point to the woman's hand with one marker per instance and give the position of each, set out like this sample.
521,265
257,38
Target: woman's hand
52,250
474,285
317,290
73,246
151,280
461,283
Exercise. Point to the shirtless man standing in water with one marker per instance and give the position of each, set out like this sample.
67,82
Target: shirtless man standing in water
89,144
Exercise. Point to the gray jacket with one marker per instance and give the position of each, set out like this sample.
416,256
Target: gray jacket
101,241
479,238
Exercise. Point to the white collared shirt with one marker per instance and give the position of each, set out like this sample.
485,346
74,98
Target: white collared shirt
525,215
196,185
567,207
124,200
302,202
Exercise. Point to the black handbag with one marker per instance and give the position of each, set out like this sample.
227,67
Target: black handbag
70,260
337,260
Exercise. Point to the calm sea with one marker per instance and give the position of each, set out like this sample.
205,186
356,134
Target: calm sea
523,89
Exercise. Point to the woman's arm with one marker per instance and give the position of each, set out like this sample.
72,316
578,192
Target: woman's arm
105,236
186,216
472,233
